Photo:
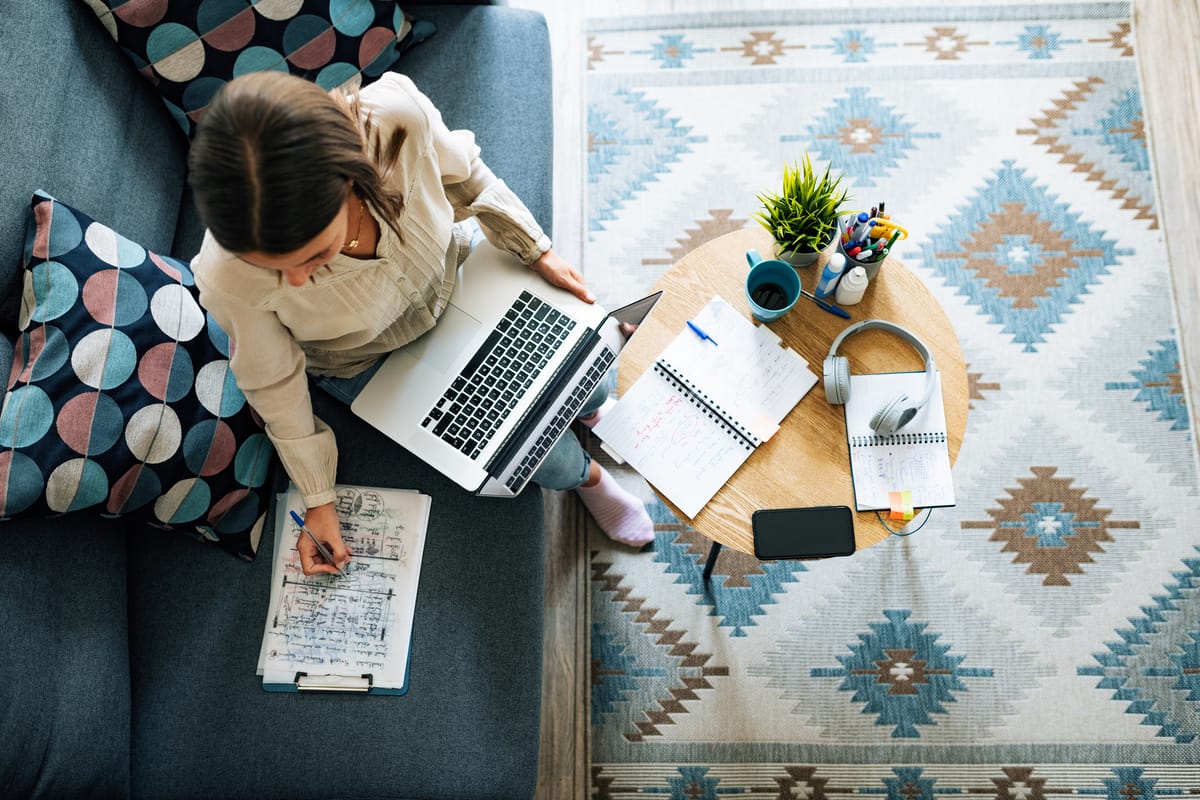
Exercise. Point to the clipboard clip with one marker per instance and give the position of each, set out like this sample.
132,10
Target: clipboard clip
334,683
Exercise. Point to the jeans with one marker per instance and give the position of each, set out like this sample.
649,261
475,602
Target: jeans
566,465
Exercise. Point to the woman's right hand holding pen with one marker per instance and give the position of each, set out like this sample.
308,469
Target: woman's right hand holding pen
323,522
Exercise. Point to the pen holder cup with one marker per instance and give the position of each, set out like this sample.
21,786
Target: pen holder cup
772,287
845,228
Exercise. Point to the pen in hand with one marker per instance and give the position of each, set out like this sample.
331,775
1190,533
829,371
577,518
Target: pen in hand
321,548
703,336
832,309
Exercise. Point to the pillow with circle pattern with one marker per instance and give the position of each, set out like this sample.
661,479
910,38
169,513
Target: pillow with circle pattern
120,400
188,49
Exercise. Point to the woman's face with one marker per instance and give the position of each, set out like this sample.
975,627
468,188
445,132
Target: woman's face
298,265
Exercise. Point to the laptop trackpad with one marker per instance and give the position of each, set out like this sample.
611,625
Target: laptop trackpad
446,341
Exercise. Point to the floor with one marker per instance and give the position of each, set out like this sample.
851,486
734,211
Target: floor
1167,35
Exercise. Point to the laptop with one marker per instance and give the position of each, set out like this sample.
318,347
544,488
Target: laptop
485,394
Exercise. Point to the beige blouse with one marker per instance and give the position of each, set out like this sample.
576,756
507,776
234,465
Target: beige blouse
350,314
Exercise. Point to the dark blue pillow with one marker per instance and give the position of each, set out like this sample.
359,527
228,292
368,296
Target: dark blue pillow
188,49
120,400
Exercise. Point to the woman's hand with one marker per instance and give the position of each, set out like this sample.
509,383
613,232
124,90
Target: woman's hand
323,522
557,272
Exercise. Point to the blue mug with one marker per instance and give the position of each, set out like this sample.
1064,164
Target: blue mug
772,287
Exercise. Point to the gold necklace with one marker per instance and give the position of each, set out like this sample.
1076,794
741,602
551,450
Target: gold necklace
362,211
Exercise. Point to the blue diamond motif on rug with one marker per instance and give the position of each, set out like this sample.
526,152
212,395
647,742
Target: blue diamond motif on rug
1039,42
907,784
902,674
1097,127
693,783
672,51
645,665
1020,255
736,595
631,142
861,135
1159,384
854,45
1155,668
1132,782
616,672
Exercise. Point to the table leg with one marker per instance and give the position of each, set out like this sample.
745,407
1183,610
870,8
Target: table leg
713,552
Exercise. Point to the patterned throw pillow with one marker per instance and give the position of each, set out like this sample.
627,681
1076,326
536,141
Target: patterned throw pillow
121,400
188,49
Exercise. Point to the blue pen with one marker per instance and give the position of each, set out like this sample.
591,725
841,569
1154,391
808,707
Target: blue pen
830,307
701,333
322,549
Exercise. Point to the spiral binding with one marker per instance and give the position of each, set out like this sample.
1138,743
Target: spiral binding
896,439
702,401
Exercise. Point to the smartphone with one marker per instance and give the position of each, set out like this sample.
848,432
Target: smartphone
814,532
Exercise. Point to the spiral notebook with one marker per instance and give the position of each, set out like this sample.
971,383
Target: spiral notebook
698,413
914,459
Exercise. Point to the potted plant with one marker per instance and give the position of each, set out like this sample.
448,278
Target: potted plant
803,217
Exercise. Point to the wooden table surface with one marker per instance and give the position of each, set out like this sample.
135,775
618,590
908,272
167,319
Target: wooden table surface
807,462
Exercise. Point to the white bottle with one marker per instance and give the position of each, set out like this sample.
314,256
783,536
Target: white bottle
851,287
830,275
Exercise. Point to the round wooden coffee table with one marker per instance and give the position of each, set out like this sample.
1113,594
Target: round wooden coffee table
807,462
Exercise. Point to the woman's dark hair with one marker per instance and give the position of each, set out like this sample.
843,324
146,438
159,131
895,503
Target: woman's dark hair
272,159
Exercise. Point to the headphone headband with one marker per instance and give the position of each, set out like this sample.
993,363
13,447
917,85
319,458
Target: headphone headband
903,333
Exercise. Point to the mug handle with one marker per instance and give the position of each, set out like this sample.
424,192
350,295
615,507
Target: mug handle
753,257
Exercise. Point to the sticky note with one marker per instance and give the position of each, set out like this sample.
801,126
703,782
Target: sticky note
901,505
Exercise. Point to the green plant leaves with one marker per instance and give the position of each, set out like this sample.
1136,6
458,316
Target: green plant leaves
801,215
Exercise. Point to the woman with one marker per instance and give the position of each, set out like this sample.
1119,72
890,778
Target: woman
335,227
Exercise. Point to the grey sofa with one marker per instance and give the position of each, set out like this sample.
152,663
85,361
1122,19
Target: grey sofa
127,655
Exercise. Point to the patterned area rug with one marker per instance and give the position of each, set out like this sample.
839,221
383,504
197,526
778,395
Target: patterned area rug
1041,638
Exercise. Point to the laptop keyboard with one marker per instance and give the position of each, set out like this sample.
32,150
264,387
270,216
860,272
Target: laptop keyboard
493,381
562,419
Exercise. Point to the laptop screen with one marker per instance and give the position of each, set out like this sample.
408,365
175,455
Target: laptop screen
629,317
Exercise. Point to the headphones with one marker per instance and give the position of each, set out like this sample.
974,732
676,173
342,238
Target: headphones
896,412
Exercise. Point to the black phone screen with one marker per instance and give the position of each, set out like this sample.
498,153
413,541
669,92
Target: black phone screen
816,532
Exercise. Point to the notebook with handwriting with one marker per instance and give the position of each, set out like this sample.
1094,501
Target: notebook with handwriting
705,404
916,458
352,633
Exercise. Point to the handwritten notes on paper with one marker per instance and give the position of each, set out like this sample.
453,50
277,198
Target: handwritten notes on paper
360,624
697,414
672,441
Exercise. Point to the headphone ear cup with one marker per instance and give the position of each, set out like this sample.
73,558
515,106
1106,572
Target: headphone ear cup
836,373
893,415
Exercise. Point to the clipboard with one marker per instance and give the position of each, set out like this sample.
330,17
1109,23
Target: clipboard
353,633
305,683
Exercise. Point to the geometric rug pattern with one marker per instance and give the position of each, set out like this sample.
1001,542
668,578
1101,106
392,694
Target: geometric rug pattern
1040,638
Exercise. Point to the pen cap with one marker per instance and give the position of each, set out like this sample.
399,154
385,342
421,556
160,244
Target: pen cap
851,287
830,275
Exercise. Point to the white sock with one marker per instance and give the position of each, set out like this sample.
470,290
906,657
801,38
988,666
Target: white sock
590,421
618,513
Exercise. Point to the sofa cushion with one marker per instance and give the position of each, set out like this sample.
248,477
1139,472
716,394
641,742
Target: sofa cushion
469,723
64,658
488,71
120,399
78,122
189,50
